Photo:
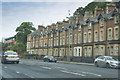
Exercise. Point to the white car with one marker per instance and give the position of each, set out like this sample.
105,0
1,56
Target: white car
10,56
106,61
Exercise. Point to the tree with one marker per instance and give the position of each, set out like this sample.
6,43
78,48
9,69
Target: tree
4,46
18,47
90,7
23,30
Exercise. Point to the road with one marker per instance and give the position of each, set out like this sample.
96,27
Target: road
39,69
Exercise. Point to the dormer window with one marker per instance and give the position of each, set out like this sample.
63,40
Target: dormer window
51,35
62,27
46,36
71,30
90,26
117,19
42,36
63,32
101,23
57,33
33,37
80,28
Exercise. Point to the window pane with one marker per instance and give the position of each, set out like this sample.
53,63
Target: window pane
96,36
101,50
109,34
89,51
116,33
97,50
111,50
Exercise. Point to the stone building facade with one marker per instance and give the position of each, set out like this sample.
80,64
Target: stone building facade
98,35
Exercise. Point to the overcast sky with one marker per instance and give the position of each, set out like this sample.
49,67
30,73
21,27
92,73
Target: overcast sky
40,12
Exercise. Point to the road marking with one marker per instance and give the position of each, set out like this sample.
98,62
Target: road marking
90,73
46,67
17,72
5,67
61,68
73,73
29,76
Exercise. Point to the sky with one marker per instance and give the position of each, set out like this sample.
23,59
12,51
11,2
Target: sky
40,12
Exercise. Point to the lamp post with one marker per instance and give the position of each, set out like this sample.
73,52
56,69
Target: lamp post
68,55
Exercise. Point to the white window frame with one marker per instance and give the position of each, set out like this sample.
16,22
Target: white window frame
89,34
79,51
90,25
63,41
54,41
112,52
101,35
75,39
75,51
79,39
101,50
60,41
85,37
51,42
63,33
85,52
57,33
60,53
57,41
116,33
63,52
51,34
102,22
97,50
71,30
70,39
79,28
116,18
96,36
89,52
56,52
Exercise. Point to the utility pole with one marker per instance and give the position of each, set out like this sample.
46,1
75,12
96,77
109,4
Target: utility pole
68,55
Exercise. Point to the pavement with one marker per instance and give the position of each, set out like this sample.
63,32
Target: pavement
68,62
80,63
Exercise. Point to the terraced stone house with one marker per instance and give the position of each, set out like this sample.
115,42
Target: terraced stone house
93,36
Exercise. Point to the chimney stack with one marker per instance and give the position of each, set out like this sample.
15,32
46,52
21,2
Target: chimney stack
88,14
41,27
48,27
110,7
98,11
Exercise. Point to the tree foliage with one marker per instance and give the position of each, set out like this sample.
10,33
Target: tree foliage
21,37
91,7
23,30
18,47
4,47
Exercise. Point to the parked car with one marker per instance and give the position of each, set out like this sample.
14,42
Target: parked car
41,57
106,61
10,56
49,59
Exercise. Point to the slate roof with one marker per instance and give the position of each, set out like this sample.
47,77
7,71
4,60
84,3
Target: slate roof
74,25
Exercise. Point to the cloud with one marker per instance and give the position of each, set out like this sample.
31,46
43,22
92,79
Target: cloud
0,18
47,0
46,13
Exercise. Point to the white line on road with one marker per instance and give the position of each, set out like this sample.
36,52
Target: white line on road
73,73
90,73
17,72
29,76
5,67
46,67
61,68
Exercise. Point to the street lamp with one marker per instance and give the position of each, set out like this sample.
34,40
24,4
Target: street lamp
68,55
